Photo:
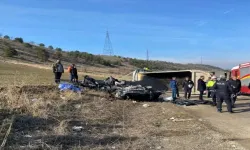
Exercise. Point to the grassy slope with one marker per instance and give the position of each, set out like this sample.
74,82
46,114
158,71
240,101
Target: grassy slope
128,64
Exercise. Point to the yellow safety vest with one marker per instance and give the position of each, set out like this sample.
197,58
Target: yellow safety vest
210,83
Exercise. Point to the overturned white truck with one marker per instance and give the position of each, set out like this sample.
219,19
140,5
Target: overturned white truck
159,80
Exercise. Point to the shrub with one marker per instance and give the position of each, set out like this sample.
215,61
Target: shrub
6,37
58,49
10,52
41,44
51,47
20,40
117,63
58,54
28,45
42,54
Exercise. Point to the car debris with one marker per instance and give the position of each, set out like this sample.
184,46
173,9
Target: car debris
179,120
167,99
77,106
28,136
145,105
77,128
134,102
137,93
181,102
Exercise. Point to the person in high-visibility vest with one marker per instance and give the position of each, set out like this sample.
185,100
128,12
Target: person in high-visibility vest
210,88
208,91
145,69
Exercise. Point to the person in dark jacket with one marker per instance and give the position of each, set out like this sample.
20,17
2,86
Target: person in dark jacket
223,91
236,86
201,87
73,73
173,86
58,70
177,90
187,87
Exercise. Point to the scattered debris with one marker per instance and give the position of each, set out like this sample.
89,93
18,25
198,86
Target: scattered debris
179,120
34,99
113,147
189,102
77,106
167,99
145,105
200,119
28,136
62,97
67,86
159,147
134,102
103,99
172,118
77,128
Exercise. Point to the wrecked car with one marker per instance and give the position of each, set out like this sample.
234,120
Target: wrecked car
137,93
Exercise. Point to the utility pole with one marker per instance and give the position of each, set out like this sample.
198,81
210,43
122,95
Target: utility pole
147,57
201,59
108,49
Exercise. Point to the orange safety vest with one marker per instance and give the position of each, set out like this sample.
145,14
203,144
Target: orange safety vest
69,68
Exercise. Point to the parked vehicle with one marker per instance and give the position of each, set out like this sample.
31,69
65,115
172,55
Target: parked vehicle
242,72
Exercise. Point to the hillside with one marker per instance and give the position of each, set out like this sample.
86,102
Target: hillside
18,50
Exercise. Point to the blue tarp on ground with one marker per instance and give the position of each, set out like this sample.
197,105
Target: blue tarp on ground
67,86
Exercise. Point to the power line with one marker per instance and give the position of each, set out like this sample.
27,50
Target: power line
108,49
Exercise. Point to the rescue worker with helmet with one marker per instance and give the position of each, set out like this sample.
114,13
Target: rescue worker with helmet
223,91
210,88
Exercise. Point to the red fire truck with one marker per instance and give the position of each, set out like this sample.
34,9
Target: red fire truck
242,72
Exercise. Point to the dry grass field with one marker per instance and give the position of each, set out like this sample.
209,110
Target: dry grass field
34,114
33,74
40,117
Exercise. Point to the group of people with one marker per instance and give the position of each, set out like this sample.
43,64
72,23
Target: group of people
218,89
58,70
187,86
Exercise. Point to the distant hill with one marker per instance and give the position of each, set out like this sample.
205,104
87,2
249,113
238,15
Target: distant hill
17,49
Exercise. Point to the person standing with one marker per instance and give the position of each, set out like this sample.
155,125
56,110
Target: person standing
236,86
58,70
210,85
173,86
201,87
223,91
69,71
187,87
73,73
208,88
177,90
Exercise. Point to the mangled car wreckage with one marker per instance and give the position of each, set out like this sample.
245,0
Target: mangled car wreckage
138,93
121,89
